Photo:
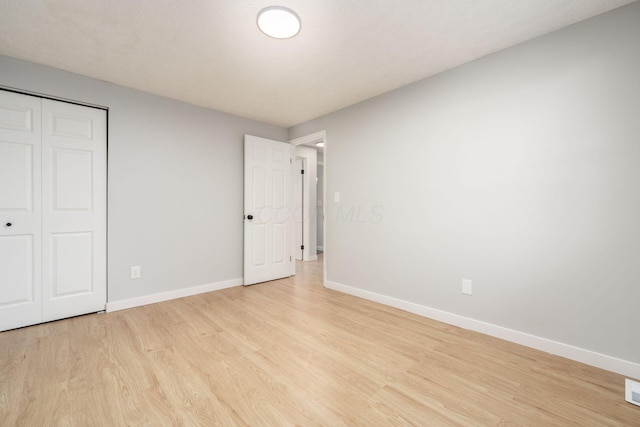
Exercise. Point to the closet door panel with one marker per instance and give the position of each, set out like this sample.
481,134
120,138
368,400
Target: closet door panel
74,209
20,211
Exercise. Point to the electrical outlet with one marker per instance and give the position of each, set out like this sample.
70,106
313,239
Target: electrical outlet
632,391
467,288
135,272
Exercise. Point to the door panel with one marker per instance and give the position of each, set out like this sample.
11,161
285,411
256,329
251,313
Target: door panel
16,268
72,172
259,187
20,211
268,193
16,177
279,235
71,125
74,209
72,272
17,115
259,244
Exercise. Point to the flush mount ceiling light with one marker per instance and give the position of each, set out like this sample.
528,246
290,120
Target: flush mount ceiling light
278,22
320,144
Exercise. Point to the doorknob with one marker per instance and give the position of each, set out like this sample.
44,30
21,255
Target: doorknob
249,217
9,224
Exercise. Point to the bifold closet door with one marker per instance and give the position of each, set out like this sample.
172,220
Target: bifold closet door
52,210
74,211
20,211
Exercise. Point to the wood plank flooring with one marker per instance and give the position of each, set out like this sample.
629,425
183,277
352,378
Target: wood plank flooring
290,352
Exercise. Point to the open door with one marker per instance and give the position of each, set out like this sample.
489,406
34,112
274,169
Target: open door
267,210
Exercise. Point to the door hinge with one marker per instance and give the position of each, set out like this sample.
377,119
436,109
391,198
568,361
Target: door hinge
302,171
290,259
302,247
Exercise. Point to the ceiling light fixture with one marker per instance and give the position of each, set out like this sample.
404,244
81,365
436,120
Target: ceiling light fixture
278,22
320,144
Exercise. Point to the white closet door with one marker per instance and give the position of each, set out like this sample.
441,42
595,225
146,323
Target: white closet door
74,209
20,211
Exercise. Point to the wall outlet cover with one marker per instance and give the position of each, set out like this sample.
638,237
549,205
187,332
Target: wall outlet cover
467,287
632,391
135,272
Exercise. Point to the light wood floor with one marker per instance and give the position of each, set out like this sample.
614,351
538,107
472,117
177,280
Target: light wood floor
290,352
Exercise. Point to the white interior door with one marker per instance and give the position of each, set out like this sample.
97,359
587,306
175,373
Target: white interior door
52,210
20,211
267,209
74,150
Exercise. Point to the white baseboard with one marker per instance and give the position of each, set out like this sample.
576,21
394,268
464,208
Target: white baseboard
609,363
169,295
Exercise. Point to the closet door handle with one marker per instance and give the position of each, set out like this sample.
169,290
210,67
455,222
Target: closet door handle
9,224
249,217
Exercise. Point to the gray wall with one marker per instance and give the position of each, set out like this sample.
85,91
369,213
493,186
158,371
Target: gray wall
519,171
175,181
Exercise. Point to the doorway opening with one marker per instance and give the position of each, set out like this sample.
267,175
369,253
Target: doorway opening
309,215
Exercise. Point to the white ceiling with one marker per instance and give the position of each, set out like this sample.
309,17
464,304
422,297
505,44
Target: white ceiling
210,52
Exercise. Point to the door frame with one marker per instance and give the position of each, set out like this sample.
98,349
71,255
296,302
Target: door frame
320,136
57,98
298,208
